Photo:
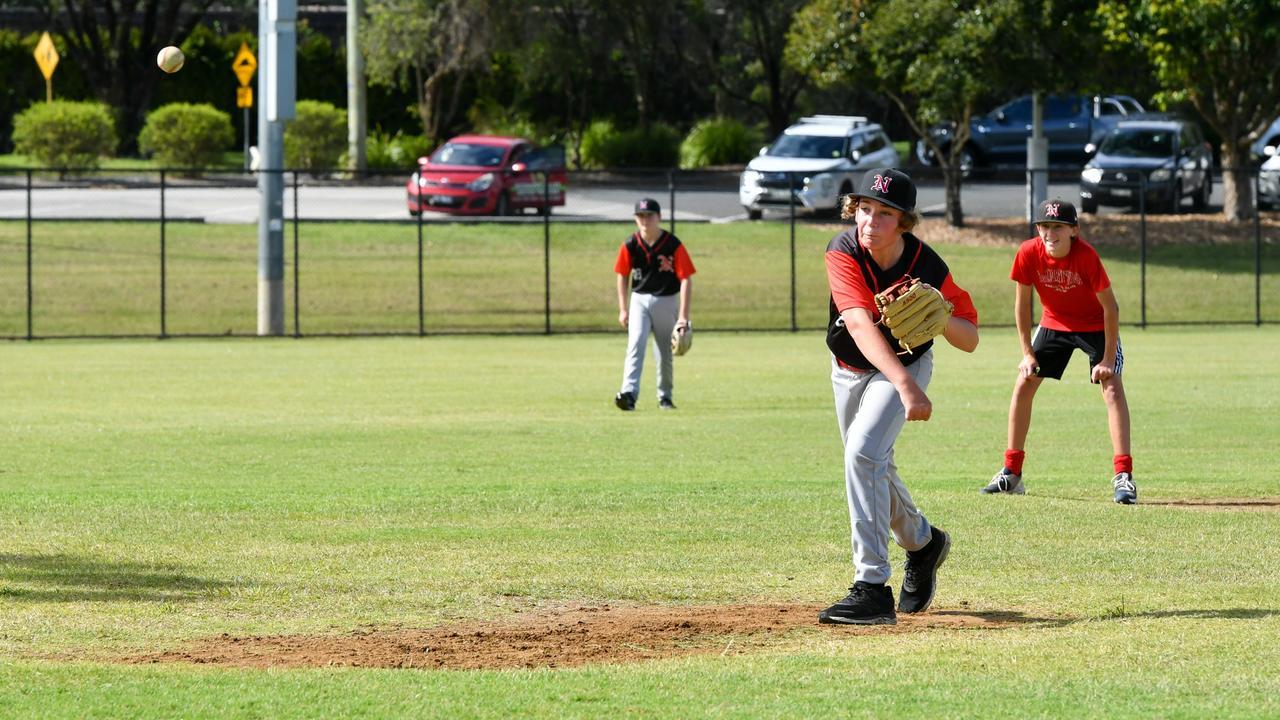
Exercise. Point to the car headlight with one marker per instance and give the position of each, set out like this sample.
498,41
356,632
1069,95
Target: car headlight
750,179
1160,175
1091,175
820,183
481,183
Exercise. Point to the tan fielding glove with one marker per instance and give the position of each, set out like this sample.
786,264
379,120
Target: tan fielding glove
914,312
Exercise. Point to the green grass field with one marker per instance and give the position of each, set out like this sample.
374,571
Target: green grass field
153,494
104,278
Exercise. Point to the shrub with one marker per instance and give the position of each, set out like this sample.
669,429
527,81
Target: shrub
395,152
718,141
65,134
317,138
605,147
185,135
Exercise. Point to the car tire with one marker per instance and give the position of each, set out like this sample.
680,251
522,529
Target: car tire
1089,206
754,214
1201,202
924,156
414,213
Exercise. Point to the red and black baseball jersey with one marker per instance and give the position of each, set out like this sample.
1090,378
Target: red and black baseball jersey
1068,287
655,269
855,278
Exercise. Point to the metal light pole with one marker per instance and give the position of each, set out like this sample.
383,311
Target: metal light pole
277,39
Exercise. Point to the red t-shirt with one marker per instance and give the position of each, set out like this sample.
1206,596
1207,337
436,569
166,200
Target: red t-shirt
1068,287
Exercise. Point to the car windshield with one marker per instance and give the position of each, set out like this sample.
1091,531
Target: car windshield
807,146
466,154
1138,143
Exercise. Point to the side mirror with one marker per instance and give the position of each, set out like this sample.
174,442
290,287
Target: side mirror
856,155
519,167
764,150
1090,149
1000,118
423,160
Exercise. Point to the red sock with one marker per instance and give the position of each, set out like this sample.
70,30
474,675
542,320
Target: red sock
1013,460
1123,463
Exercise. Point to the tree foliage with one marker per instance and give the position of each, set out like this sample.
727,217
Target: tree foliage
1222,56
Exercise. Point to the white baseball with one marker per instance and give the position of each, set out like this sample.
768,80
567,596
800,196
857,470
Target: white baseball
170,59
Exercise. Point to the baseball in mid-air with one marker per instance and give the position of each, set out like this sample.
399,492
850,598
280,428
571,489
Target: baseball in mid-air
170,59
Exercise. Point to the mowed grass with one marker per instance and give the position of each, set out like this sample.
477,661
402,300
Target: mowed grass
156,493
105,278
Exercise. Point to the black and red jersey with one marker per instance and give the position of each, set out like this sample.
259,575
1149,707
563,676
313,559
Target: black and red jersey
855,278
655,269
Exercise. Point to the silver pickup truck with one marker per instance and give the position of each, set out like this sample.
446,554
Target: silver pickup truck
1000,137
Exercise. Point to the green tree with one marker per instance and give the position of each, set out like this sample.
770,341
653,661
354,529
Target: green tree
431,45
744,47
114,43
1222,56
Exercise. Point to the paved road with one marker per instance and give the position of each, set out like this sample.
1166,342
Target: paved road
386,203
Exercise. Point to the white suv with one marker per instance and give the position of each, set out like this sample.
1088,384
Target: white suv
821,157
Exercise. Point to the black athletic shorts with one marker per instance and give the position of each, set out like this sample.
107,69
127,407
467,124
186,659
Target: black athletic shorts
1053,349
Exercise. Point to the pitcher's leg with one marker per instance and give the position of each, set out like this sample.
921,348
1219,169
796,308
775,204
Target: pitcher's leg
868,448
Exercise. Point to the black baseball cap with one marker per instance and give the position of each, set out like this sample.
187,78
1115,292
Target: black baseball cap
889,186
1056,211
648,205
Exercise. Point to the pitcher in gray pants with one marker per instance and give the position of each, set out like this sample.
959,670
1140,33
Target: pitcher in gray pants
655,266
878,390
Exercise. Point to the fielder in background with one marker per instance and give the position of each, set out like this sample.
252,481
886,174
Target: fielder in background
1080,312
660,274
879,385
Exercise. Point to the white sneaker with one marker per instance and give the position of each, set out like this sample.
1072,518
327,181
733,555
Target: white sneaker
1126,491
1006,482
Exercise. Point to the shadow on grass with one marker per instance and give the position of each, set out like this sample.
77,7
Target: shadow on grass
1219,614
69,578
1003,618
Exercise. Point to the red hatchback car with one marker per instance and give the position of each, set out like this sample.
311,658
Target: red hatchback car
488,175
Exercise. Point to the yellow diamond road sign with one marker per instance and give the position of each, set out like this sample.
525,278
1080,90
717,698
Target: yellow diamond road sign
245,64
46,56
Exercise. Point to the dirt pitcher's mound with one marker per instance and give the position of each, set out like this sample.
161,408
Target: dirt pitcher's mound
562,638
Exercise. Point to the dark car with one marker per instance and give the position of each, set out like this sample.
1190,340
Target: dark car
487,175
1000,137
1168,160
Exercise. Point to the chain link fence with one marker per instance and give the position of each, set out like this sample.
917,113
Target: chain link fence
123,254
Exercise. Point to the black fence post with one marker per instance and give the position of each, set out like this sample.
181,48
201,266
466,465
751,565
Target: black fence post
422,282
671,198
546,255
30,294
1257,247
546,244
164,310
1142,247
791,187
297,261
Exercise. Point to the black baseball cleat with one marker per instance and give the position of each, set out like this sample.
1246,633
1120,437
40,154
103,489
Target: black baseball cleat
625,401
866,604
666,404
921,575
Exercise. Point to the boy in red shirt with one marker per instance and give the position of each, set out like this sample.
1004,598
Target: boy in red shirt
1080,311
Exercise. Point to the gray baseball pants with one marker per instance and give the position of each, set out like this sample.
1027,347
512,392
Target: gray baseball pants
871,416
647,314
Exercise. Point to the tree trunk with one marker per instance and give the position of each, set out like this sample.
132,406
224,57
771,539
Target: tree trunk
1237,183
952,179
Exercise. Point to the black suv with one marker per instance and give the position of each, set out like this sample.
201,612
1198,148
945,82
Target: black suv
1168,158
